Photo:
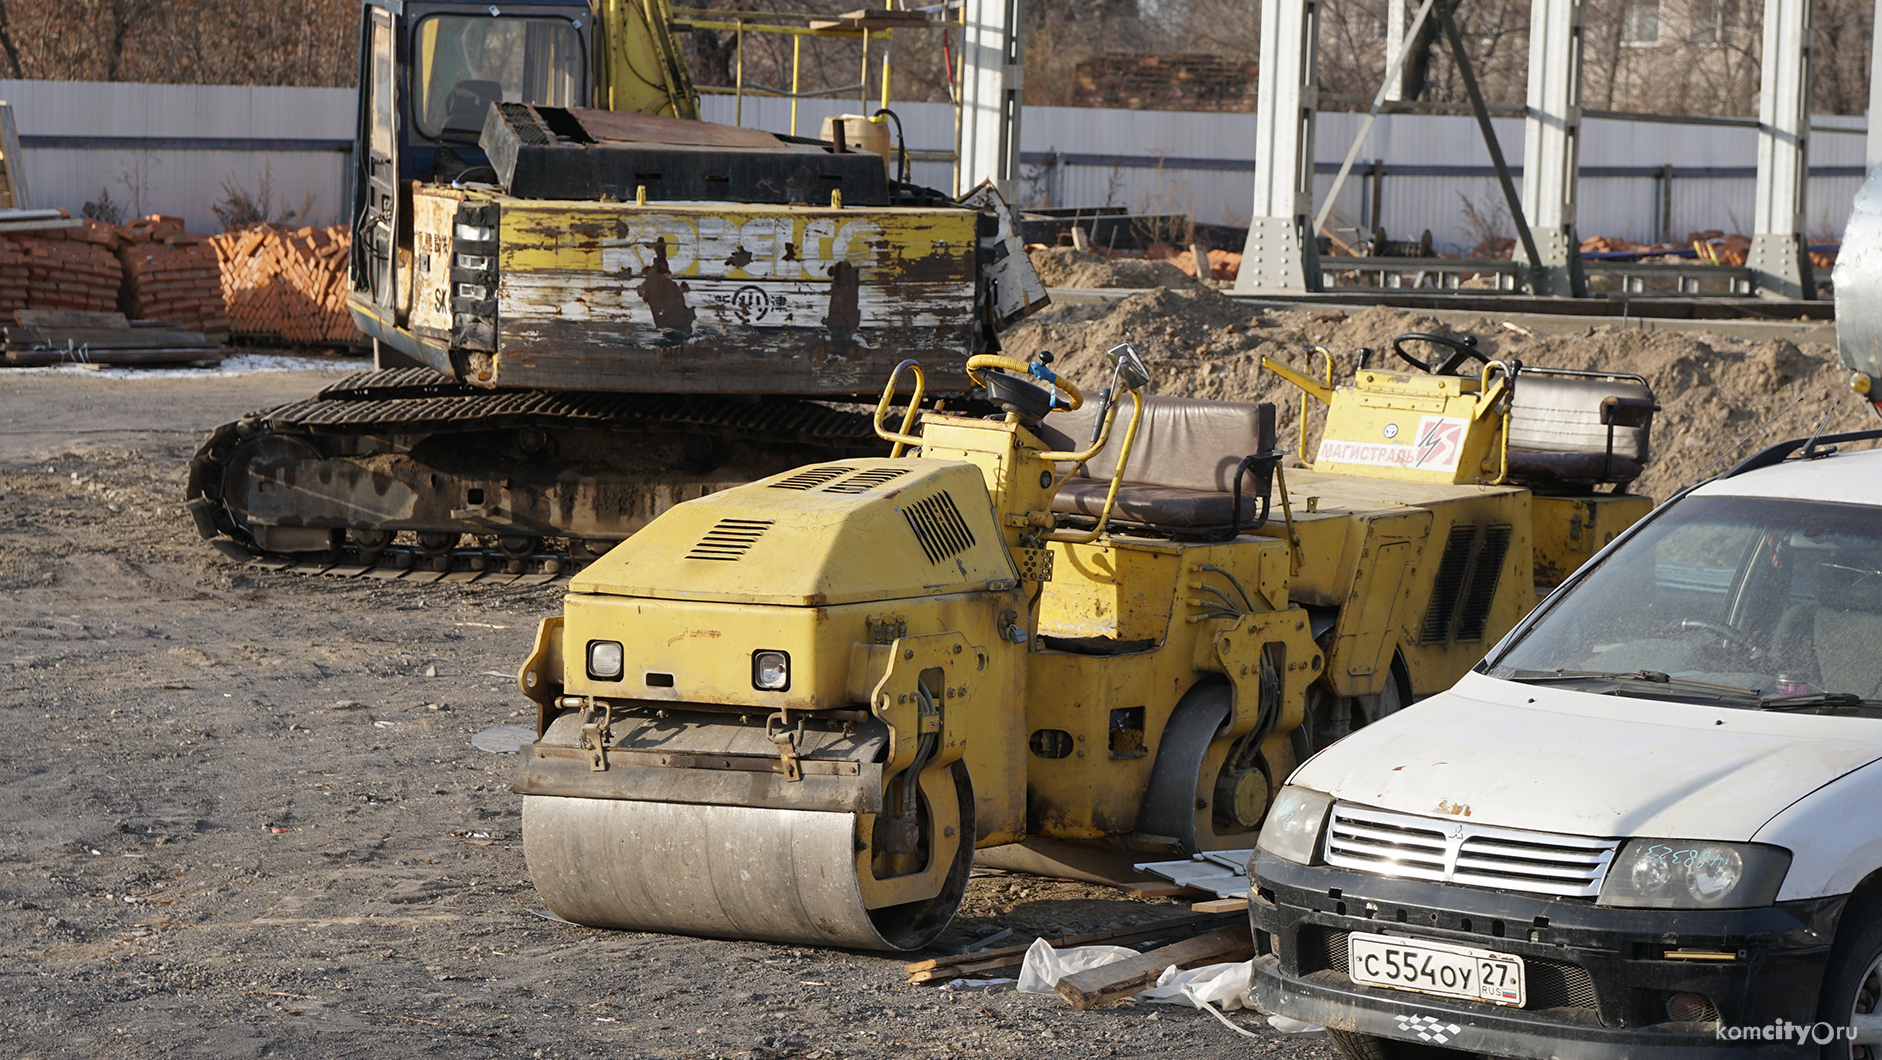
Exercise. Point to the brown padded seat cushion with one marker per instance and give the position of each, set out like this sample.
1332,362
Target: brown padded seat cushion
1182,466
1156,505
1571,467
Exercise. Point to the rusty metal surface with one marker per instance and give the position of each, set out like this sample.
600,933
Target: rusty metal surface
652,129
418,398
543,353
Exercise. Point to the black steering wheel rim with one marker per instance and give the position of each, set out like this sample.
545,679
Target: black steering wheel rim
1462,350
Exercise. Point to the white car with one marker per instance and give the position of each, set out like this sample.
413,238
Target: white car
1649,824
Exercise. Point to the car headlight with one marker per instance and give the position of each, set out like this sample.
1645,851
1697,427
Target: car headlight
1292,829
604,660
770,671
1685,874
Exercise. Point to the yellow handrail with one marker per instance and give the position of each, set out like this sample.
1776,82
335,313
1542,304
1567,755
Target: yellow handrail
1071,537
1489,399
903,439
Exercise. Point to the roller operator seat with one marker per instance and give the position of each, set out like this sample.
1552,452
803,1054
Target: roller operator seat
1181,475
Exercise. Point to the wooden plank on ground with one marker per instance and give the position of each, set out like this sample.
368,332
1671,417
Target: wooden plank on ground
1009,959
1127,977
1165,890
69,318
1221,905
1122,936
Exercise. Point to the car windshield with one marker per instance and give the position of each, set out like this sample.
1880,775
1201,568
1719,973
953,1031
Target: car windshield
467,62
1746,602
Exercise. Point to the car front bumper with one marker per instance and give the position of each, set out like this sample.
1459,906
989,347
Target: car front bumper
1599,979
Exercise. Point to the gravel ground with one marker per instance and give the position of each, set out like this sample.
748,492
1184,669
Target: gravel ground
240,813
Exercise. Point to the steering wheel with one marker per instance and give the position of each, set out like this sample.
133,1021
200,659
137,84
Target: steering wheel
1729,634
1463,350
1018,372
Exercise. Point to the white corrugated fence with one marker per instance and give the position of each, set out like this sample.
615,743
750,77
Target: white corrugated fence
180,149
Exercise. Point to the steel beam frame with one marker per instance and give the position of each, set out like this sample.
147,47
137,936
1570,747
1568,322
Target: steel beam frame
1552,145
990,96
1282,253
1779,258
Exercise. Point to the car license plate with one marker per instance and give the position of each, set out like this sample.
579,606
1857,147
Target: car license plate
1436,968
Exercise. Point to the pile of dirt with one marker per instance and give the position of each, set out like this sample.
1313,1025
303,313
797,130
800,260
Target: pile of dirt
1069,267
1721,397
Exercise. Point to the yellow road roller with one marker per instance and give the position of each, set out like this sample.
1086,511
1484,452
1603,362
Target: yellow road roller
792,710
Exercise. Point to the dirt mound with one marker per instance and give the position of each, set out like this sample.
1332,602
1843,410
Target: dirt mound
1721,397
1069,267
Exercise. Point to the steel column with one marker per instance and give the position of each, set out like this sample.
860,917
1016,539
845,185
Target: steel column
990,91
1394,43
1874,156
1779,259
1552,145
1281,253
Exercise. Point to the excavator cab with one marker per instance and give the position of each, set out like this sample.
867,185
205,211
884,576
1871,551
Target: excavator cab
430,73
432,70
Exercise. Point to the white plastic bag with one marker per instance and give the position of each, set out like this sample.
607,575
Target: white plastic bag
1223,984
1045,966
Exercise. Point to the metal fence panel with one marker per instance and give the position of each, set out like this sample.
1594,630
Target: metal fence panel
180,149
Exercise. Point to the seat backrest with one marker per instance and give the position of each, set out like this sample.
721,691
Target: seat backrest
1849,626
1559,411
1188,443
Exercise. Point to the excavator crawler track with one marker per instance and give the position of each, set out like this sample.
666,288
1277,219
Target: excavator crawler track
407,474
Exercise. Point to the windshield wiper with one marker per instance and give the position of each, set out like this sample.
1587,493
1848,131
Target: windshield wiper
1815,699
1648,676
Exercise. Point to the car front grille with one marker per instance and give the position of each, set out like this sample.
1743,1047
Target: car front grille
1383,843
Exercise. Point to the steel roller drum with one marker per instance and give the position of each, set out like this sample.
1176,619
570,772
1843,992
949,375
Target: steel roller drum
1858,282
742,872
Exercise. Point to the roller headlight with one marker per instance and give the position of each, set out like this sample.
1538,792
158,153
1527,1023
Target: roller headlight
604,660
770,671
1292,829
1683,874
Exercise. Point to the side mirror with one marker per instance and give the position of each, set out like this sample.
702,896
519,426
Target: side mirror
1127,367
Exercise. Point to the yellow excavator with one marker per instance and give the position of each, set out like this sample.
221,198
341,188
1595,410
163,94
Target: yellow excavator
793,710
585,305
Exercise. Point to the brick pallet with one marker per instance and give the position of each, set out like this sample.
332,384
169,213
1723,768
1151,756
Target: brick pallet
171,275
63,268
287,284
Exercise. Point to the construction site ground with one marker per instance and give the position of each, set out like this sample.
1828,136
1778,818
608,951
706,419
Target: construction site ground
241,814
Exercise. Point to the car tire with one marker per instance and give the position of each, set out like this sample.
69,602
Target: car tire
1852,979
1371,1047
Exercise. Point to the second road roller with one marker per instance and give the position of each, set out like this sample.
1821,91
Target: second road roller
793,710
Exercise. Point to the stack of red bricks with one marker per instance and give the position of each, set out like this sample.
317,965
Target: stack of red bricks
59,268
171,275
1165,82
287,284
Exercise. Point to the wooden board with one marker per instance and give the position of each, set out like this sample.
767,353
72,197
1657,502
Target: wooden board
70,318
957,965
1114,982
41,358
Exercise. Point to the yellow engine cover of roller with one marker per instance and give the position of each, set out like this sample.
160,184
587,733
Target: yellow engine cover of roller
849,531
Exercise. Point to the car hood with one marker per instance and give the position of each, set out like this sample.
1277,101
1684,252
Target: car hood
1557,760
